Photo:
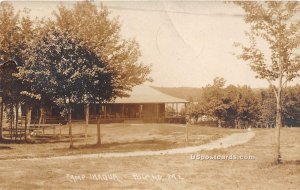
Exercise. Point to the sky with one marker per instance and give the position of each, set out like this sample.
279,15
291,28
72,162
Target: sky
188,43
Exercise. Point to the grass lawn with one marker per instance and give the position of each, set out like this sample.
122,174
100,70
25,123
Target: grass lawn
168,171
114,138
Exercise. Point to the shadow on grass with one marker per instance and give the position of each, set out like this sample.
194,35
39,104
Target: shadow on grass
43,139
272,164
5,148
14,141
95,148
292,162
128,146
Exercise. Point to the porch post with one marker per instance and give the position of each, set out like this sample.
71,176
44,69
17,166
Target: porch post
105,112
140,111
157,111
165,114
172,111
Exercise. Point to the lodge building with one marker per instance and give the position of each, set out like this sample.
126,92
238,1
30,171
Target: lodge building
144,104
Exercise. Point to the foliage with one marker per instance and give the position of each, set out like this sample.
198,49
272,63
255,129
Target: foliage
95,28
291,109
276,24
267,107
248,108
16,30
78,58
66,67
212,99
229,104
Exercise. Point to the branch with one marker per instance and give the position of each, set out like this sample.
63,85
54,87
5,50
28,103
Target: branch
284,85
286,81
273,87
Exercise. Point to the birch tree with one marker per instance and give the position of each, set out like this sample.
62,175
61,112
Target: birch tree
277,24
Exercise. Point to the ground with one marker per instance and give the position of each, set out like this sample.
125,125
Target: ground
168,171
114,138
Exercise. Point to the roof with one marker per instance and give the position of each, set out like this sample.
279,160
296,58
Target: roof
147,94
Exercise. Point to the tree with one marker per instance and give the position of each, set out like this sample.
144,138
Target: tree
66,68
102,92
8,41
275,24
232,97
10,96
267,108
291,109
16,30
212,100
9,32
194,111
98,31
247,109
96,28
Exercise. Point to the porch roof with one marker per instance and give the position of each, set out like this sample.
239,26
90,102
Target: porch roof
147,94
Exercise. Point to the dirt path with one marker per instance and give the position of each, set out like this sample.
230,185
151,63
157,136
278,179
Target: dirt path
228,141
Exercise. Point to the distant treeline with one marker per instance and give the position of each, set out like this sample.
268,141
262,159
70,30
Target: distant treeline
239,106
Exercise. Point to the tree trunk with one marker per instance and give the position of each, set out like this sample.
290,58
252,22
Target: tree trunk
28,115
98,131
11,110
236,123
41,115
187,131
70,127
41,118
278,125
87,115
219,123
17,120
98,127
1,120
26,112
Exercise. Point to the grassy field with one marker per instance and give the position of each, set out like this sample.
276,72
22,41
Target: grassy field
114,138
168,171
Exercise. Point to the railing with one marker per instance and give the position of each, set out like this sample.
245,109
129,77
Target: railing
169,117
19,133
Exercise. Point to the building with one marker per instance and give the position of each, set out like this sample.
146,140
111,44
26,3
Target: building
144,104
147,104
